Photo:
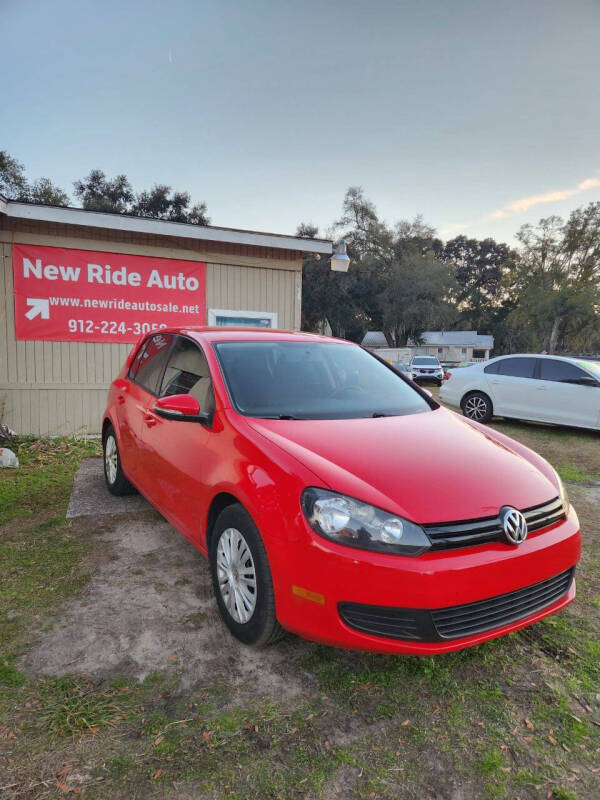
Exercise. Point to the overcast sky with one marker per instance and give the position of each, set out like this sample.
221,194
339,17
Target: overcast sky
479,115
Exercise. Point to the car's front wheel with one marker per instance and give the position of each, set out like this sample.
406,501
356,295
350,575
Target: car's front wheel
115,478
477,406
242,579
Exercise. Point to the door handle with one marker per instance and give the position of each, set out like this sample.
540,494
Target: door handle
150,418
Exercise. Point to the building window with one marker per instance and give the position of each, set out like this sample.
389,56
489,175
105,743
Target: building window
463,350
226,317
479,354
440,351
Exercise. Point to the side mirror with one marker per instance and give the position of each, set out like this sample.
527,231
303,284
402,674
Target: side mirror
180,408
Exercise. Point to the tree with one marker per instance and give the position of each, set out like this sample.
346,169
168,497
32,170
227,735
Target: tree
557,280
44,191
395,282
480,268
417,291
14,185
307,230
160,204
97,193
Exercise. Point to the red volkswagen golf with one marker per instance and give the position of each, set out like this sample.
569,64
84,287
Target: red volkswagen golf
333,497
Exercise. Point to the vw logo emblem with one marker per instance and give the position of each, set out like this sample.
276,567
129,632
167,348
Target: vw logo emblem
514,525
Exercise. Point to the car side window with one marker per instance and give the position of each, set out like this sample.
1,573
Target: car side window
493,369
187,372
553,370
517,367
152,361
137,360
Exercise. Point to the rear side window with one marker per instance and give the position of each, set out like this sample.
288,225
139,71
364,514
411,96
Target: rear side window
561,371
152,361
493,369
517,367
135,364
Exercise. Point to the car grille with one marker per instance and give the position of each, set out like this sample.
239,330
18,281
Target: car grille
484,615
448,535
456,622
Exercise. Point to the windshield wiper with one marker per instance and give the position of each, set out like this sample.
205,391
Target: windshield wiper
376,414
280,416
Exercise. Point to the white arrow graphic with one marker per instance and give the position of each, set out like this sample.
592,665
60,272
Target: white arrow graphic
39,307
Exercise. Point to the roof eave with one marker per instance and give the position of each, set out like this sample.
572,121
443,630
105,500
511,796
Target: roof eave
122,222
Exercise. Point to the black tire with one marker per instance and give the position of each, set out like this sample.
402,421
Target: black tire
477,406
262,627
116,483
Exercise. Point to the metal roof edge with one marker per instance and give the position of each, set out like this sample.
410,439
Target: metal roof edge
159,227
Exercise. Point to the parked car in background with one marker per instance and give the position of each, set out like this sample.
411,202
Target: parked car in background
426,369
301,466
555,389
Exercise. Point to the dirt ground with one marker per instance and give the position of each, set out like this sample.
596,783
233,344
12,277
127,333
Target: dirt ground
150,605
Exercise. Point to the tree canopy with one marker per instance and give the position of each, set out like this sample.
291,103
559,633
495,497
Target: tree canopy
96,192
543,294
15,186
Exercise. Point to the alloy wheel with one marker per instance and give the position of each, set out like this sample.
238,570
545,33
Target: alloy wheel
475,408
111,458
236,575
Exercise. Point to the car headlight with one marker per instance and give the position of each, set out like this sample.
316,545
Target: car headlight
350,522
562,491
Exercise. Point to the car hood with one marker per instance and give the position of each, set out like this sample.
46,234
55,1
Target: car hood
429,467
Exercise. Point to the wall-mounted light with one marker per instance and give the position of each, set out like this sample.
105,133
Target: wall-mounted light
339,260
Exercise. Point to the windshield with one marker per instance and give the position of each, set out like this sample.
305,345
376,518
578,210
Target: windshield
425,361
313,380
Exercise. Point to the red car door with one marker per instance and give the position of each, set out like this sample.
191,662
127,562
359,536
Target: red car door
174,451
136,395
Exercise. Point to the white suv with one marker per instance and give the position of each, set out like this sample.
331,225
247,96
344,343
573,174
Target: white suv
555,389
426,368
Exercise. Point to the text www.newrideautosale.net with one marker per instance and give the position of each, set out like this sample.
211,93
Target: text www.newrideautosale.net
115,327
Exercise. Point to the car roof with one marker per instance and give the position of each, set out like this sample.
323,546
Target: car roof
541,355
246,334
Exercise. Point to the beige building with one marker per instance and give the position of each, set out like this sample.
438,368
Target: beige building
450,347
58,386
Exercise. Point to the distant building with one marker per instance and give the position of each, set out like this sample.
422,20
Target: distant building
448,346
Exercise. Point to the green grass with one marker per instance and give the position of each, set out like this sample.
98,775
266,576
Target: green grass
40,565
74,705
43,481
573,474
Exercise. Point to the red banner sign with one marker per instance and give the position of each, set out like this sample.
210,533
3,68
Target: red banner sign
87,296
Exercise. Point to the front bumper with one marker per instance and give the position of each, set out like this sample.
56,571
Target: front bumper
417,377
429,582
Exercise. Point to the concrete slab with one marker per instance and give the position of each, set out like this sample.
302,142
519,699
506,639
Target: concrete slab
91,497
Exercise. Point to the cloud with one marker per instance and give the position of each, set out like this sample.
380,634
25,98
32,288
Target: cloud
525,203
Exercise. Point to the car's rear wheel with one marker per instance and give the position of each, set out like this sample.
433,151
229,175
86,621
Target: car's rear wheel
477,406
242,580
114,476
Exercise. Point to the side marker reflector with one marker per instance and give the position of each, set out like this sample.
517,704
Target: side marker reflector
306,594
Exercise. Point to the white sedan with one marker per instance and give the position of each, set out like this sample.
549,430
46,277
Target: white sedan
556,389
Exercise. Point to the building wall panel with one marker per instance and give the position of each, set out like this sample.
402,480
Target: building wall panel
59,388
